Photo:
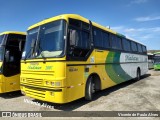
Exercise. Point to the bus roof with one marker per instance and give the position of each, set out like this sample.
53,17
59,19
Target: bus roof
13,32
78,17
66,16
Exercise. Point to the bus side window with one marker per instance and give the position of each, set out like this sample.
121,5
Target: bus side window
78,42
74,37
116,42
79,39
97,38
85,40
134,46
106,41
144,49
139,48
126,45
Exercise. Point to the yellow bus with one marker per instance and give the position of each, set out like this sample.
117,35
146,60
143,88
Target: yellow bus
68,57
10,55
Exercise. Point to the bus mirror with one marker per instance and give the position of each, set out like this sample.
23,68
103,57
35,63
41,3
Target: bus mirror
7,56
73,35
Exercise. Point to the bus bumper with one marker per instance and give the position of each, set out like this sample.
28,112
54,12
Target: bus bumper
1,84
1,88
55,95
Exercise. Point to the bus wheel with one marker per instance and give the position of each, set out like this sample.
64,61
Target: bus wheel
138,74
90,89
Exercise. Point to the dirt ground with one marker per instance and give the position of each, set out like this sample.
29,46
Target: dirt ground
142,95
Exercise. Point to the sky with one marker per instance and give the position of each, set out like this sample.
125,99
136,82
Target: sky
136,19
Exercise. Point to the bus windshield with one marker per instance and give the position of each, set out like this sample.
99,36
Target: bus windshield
157,58
45,41
1,38
1,47
1,53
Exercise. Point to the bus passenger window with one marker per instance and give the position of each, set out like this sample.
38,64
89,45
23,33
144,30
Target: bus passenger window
85,40
97,38
106,42
144,49
139,48
126,45
116,42
134,46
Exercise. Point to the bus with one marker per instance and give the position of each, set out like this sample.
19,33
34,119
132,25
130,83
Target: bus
157,60
68,57
10,56
150,60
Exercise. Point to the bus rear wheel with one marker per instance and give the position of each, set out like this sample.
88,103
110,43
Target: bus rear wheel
90,89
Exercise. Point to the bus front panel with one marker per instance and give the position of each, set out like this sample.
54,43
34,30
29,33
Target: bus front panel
44,81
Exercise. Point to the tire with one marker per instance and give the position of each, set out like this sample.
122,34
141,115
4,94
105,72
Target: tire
90,89
138,74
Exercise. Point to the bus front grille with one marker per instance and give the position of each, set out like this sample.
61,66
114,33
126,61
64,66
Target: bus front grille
33,81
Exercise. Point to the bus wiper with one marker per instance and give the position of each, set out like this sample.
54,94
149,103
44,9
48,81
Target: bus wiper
41,50
31,49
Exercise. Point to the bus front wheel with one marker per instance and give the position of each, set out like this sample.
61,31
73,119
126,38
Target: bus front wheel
90,89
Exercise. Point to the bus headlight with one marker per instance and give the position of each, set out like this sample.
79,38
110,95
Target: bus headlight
57,83
47,83
52,83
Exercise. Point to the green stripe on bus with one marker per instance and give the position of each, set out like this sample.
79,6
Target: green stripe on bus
115,71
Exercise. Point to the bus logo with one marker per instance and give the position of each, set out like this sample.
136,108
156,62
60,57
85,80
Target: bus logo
131,58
